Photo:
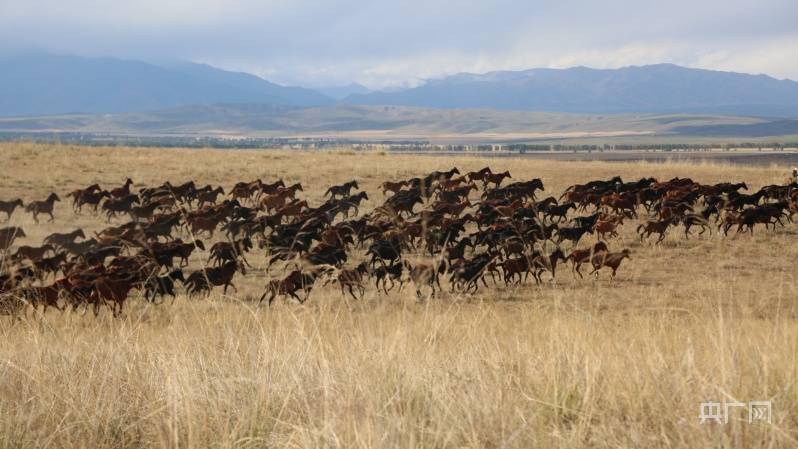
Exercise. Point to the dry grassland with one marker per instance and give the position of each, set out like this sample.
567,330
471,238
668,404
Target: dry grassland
576,363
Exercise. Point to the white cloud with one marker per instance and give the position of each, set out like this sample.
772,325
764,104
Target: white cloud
777,58
387,42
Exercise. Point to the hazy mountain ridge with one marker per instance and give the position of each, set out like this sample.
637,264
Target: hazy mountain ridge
341,92
661,88
41,91
45,84
35,84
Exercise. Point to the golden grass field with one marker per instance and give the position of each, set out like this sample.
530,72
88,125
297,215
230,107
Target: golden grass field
576,363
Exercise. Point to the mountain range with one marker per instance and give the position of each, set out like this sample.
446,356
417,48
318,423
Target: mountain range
341,92
44,84
660,88
41,84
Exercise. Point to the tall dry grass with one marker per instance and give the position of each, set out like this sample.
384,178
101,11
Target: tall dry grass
579,363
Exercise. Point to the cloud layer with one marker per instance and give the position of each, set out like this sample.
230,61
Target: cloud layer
387,43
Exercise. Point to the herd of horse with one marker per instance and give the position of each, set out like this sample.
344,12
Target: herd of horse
426,230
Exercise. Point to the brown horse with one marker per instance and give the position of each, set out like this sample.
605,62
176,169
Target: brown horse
496,178
480,175
393,187
293,209
206,279
113,291
32,253
611,260
10,206
580,256
122,192
655,227
43,207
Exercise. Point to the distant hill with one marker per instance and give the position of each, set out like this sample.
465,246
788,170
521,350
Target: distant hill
38,84
764,129
661,88
341,92
392,122
42,84
45,93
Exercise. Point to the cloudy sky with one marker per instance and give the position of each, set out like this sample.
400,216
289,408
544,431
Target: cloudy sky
402,42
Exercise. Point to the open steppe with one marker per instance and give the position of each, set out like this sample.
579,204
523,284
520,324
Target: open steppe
571,363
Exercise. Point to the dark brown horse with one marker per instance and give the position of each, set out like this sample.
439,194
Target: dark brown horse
43,207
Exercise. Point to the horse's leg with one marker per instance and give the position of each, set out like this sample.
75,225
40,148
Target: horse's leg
385,284
271,298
